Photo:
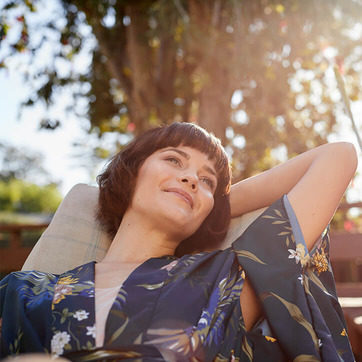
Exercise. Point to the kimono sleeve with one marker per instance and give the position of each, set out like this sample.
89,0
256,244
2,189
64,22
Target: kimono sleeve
24,308
296,288
3,285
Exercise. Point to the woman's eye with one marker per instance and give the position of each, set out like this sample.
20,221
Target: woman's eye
174,160
209,182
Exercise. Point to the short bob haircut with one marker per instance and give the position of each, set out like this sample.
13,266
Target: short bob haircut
117,182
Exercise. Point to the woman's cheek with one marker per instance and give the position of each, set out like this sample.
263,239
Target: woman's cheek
211,203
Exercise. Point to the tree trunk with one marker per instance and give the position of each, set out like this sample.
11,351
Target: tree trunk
143,92
215,96
214,109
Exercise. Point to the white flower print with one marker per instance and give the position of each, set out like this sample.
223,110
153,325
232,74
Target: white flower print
81,314
300,254
91,331
301,280
59,340
294,254
168,267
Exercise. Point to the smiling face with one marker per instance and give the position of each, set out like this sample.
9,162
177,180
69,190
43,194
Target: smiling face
175,191
118,200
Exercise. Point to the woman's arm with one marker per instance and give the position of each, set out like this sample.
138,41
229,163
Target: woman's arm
314,181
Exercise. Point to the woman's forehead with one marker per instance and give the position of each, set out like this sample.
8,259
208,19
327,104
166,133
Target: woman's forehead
189,152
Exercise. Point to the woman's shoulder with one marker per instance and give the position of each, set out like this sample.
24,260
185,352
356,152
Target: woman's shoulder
28,277
27,286
36,277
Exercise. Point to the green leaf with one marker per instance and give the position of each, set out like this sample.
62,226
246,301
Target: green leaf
249,255
296,314
151,286
118,314
118,332
316,280
247,349
89,345
305,358
10,5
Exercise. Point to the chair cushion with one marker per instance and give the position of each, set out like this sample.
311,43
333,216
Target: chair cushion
74,237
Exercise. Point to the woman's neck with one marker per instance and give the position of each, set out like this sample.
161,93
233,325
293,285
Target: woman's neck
136,242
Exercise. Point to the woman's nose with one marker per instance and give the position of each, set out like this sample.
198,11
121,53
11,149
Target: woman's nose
190,181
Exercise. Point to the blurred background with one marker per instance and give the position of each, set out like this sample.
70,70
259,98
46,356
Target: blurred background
80,78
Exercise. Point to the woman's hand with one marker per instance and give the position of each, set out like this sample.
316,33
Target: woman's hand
314,181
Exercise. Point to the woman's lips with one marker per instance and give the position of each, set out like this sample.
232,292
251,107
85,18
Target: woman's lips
183,194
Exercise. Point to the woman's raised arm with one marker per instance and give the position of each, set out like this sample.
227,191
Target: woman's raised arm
314,181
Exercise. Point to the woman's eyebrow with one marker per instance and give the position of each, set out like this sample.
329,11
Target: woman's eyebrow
210,170
182,153
187,156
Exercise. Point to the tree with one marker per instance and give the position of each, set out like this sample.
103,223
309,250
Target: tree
254,72
21,164
20,196
25,187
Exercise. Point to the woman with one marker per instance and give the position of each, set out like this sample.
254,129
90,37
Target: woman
161,199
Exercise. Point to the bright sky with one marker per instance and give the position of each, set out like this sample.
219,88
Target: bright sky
56,146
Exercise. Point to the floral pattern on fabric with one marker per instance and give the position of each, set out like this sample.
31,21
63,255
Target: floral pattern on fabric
58,342
73,311
189,308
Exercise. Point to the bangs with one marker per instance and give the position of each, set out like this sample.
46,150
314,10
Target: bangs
191,135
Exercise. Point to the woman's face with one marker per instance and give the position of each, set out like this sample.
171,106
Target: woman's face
175,190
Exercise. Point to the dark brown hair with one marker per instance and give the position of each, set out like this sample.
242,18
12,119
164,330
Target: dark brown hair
117,181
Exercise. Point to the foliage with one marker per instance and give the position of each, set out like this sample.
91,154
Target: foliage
21,196
20,176
21,164
255,72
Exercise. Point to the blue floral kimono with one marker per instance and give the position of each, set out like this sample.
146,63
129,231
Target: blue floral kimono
188,309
